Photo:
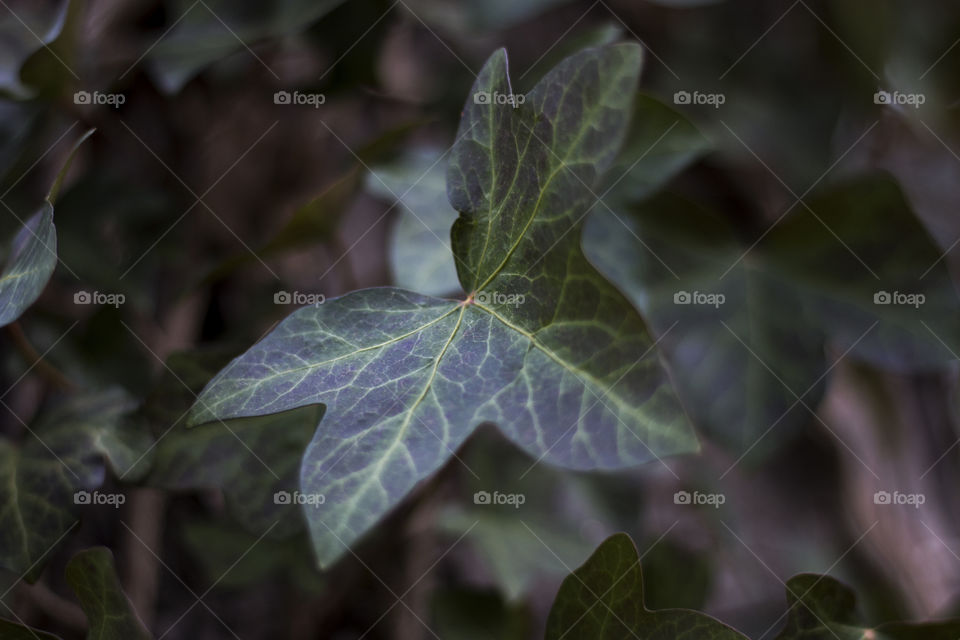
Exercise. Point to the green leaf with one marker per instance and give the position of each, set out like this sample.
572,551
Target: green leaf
65,453
32,27
543,347
33,254
250,459
204,33
92,576
740,362
31,261
822,608
603,600
420,255
659,144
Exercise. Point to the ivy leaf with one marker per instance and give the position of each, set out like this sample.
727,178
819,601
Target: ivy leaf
33,254
92,576
543,346
659,144
32,259
740,356
420,255
32,27
603,600
65,453
822,608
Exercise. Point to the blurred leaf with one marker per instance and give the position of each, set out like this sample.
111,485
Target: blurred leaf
865,230
13,631
250,459
598,36
407,378
319,219
683,4
469,17
92,576
420,256
603,600
65,452
98,219
740,360
183,377
660,144
521,543
33,255
25,28
206,32
17,126
822,608
234,559
461,614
